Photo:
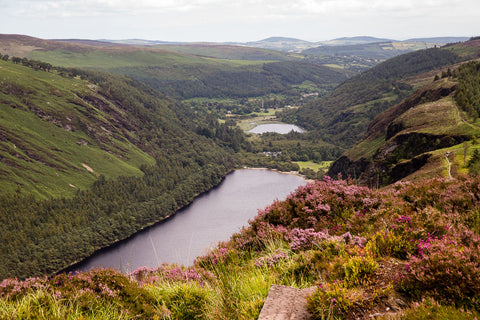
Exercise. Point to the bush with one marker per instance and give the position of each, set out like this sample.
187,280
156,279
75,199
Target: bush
359,270
331,301
447,270
186,301
389,244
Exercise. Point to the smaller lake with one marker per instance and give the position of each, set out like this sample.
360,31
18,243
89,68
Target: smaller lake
282,128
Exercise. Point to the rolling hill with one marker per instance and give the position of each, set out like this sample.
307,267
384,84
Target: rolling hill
377,50
200,71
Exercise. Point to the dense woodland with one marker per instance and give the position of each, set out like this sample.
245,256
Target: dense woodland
467,95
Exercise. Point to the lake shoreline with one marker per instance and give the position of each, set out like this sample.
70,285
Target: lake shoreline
74,266
295,173
144,228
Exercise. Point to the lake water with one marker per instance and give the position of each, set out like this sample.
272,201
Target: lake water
281,128
212,217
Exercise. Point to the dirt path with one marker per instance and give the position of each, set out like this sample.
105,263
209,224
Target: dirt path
286,303
449,168
462,119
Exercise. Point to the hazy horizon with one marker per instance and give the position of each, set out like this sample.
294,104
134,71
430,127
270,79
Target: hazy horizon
240,21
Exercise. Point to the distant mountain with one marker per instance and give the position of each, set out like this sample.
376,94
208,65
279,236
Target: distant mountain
353,40
284,39
138,42
439,40
281,43
373,50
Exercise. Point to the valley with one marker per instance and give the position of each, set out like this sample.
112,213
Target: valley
99,140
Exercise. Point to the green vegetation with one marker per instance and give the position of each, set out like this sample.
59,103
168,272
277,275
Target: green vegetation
229,52
91,162
377,50
66,126
409,251
342,116
188,76
413,137
467,94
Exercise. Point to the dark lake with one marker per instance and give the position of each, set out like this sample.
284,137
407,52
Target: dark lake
212,217
281,128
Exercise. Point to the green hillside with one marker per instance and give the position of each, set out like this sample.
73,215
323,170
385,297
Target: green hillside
229,52
60,134
380,50
87,159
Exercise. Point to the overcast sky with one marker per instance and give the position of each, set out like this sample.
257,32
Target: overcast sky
239,20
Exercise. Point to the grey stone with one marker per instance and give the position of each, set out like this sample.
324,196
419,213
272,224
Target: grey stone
286,303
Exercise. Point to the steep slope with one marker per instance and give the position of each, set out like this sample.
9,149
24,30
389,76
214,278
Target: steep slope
425,135
60,134
87,159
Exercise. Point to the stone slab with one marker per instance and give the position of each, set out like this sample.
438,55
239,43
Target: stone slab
286,303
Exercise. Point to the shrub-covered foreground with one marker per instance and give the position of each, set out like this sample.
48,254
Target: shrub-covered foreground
410,251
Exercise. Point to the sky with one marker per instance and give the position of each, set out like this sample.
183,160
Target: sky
239,20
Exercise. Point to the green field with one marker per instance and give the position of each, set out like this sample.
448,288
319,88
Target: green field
324,165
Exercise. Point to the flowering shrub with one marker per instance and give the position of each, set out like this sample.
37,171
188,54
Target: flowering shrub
353,240
320,205
171,273
271,260
302,239
13,288
446,269
259,235
214,257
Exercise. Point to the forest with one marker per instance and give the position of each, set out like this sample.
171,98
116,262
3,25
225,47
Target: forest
240,82
467,94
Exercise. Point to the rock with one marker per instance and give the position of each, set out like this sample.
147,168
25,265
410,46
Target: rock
286,303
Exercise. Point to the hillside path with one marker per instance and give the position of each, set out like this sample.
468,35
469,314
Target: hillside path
449,165
286,303
472,125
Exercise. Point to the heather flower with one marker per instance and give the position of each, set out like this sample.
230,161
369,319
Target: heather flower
302,239
446,269
271,260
